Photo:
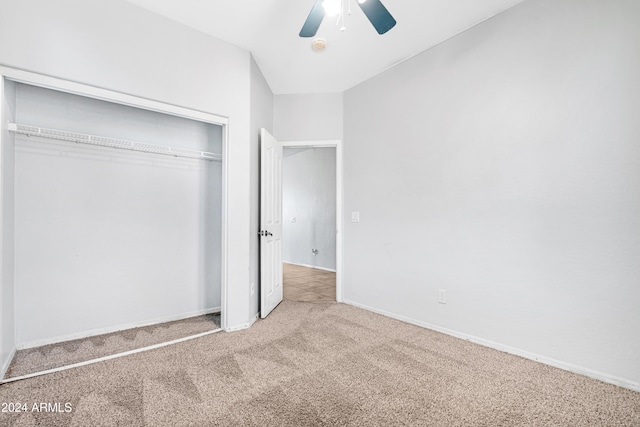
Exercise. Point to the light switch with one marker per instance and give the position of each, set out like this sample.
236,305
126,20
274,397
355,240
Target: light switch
293,219
355,216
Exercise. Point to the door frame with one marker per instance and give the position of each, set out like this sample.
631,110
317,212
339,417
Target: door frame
48,82
337,144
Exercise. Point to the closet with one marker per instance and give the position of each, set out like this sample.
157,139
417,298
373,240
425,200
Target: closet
117,216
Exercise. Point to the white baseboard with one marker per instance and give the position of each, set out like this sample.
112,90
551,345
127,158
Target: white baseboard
310,266
6,363
111,329
631,385
243,325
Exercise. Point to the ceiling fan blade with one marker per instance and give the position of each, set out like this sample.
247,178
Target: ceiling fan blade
379,16
311,25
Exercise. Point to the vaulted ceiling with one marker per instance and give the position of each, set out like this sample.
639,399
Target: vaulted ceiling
269,30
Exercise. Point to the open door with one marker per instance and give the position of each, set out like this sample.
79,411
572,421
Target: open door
270,223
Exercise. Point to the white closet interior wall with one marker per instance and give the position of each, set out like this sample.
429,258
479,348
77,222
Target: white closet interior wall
108,239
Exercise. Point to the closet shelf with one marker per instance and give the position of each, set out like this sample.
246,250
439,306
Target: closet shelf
102,141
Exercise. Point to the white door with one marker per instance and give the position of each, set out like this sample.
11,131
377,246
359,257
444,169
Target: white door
270,223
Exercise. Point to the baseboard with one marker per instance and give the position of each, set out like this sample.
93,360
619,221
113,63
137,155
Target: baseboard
310,266
610,379
6,363
243,325
111,329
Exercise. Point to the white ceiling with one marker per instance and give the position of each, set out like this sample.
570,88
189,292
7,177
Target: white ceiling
269,29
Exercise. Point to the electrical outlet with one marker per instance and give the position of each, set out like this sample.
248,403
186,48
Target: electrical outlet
442,296
355,216
253,289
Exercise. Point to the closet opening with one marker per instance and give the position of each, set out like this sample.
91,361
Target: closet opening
118,227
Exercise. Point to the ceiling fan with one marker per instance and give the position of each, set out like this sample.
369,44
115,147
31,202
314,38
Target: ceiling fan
375,11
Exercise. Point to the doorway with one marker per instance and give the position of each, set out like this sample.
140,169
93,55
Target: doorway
325,265
309,223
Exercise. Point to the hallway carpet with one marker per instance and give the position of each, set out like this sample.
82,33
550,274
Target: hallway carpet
321,364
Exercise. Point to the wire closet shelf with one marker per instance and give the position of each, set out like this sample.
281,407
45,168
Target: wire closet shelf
102,141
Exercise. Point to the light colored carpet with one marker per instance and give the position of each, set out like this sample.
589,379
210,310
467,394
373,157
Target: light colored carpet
69,352
323,364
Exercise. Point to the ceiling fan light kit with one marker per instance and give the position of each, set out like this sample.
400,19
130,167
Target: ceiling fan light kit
374,10
332,7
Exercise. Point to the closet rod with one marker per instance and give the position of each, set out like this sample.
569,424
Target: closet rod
112,142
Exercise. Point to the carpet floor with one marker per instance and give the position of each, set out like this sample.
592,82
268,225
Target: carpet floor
51,356
321,364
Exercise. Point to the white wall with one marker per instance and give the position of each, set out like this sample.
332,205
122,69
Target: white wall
121,47
503,166
261,117
308,117
108,239
309,196
7,272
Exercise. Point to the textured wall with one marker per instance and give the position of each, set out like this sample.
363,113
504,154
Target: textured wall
308,117
503,166
309,196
